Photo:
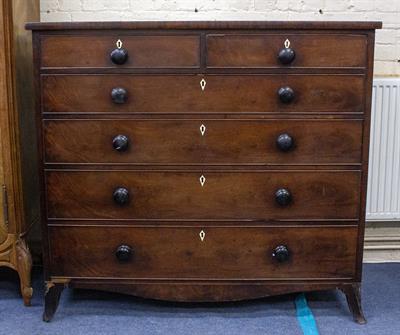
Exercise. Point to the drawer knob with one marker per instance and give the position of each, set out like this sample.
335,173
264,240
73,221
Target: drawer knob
119,56
124,253
286,94
281,253
121,196
283,197
286,56
284,142
119,95
120,143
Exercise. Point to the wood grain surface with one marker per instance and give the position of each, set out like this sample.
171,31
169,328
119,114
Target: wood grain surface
225,253
159,94
225,195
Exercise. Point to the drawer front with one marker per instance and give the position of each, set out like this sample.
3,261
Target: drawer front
262,50
238,195
143,51
221,94
217,142
223,253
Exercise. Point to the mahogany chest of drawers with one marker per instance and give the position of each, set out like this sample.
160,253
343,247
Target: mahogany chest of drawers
203,161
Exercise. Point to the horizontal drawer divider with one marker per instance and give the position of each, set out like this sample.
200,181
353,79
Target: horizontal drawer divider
195,116
208,117
72,222
205,70
186,114
176,223
202,170
197,167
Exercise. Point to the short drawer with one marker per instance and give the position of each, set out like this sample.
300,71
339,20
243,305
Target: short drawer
164,51
306,50
203,141
203,253
197,94
254,195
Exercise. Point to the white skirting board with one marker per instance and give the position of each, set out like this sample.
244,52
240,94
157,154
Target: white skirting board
382,237
382,242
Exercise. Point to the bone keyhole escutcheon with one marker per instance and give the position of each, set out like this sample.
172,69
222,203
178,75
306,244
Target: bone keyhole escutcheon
202,180
202,235
202,130
203,84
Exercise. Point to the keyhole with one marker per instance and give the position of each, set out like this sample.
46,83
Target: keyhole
202,180
287,44
202,235
202,129
203,84
119,44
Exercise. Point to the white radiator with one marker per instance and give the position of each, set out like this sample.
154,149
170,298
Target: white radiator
383,197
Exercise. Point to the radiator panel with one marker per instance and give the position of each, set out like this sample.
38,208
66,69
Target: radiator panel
383,200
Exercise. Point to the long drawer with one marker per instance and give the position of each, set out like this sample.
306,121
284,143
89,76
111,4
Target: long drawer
203,94
208,253
203,142
270,195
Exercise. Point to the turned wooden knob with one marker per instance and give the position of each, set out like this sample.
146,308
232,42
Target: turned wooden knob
119,95
121,196
119,56
283,197
286,56
124,253
120,143
286,94
281,253
284,142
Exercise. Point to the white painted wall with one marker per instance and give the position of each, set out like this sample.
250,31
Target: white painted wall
387,40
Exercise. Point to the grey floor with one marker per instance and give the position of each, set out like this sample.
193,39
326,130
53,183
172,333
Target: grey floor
92,312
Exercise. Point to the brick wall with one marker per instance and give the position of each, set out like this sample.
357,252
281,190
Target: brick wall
387,52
